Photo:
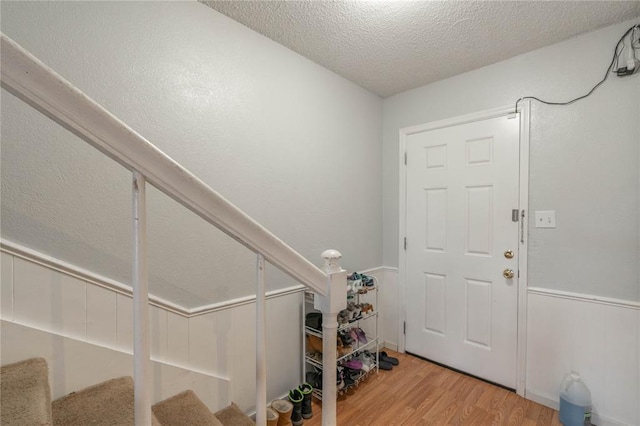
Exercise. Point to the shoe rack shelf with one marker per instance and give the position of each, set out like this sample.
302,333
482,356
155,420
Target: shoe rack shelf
342,327
367,324
316,361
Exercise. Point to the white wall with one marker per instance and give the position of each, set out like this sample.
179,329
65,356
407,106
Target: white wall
585,165
289,142
584,159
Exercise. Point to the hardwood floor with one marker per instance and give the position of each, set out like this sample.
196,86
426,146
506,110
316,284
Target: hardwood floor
418,392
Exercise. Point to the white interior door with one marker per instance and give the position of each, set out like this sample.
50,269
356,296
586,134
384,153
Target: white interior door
462,185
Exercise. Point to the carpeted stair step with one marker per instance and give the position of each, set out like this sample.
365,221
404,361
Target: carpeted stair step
233,416
25,399
184,409
25,396
108,403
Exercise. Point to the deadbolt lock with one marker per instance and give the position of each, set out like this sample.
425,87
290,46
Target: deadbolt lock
508,273
508,254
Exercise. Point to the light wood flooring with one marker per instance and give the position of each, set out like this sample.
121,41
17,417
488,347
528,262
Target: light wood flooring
418,392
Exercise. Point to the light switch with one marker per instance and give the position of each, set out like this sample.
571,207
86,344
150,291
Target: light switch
546,219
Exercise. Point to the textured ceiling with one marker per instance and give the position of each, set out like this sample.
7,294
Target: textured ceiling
389,47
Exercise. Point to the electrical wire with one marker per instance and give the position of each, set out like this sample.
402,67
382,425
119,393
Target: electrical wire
635,40
610,69
616,62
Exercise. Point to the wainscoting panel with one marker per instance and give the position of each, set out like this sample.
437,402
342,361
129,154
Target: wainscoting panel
70,313
202,343
48,300
124,323
177,339
599,338
159,330
101,316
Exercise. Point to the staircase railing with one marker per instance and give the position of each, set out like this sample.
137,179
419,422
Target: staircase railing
32,81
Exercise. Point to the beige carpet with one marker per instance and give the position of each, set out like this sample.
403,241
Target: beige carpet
233,416
26,400
25,396
184,409
106,404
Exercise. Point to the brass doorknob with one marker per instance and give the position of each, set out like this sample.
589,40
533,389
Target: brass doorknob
508,254
508,273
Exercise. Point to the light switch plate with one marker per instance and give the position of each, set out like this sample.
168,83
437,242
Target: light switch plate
546,219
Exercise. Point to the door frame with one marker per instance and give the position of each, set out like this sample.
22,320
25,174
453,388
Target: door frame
524,109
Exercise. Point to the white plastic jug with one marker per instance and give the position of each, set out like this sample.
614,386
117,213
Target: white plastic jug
575,401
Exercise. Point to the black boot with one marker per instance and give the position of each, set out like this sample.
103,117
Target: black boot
306,389
296,398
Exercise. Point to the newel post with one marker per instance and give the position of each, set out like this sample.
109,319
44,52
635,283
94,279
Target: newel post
330,305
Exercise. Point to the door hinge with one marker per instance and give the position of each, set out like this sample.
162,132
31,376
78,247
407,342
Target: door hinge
518,273
515,213
405,243
405,158
404,327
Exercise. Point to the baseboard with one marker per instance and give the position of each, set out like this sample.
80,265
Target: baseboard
390,345
596,419
541,399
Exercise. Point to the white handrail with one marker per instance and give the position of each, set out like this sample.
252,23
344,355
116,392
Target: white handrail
32,81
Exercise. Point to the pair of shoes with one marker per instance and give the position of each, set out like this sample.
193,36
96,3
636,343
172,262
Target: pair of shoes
354,311
314,343
367,281
343,349
340,379
314,379
352,375
346,337
354,276
366,308
354,364
315,356
313,320
368,361
272,417
343,316
358,334
384,357
300,397
284,409
386,362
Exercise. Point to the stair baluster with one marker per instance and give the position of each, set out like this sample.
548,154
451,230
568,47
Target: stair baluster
261,346
141,330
